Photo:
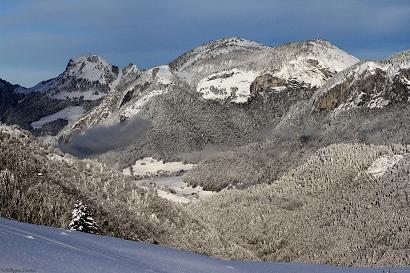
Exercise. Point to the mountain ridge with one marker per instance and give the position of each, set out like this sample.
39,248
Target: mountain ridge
213,77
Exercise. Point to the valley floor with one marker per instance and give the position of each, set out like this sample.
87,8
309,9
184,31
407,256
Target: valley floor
33,248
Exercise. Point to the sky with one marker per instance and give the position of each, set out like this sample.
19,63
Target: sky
37,38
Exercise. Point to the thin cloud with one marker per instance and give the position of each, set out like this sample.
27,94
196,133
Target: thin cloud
105,138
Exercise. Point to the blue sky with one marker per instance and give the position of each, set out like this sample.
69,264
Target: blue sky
38,37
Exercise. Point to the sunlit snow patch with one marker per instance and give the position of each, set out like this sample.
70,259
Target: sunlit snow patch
92,68
133,109
175,189
70,113
233,84
378,103
163,74
166,179
382,164
11,130
149,166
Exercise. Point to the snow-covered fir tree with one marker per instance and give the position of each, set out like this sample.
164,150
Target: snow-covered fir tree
81,219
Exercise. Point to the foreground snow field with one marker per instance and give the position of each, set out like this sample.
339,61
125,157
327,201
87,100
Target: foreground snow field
32,248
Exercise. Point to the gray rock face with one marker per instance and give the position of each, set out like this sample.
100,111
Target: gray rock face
368,84
265,83
374,90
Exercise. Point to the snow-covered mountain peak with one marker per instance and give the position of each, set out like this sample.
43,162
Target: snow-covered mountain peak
312,62
400,60
227,44
92,68
321,42
232,42
213,49
129,69
89,58
87,77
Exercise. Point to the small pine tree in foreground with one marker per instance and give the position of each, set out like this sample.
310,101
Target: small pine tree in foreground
81,219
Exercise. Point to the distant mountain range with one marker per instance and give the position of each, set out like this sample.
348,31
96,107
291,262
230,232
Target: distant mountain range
226,92
220,70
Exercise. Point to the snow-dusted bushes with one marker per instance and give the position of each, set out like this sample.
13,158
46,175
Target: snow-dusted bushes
328,210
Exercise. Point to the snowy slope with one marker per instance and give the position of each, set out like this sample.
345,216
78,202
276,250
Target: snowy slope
134,90
70,113
132,109
233,84
12,130
32,248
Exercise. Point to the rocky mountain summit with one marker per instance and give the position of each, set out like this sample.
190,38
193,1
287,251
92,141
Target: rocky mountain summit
370,84
86,78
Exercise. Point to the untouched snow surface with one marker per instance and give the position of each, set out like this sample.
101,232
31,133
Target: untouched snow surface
32,248
70,113
175,189
167,179
151,167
